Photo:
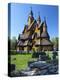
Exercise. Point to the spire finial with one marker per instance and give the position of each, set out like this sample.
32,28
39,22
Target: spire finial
31,13
39,19
45,22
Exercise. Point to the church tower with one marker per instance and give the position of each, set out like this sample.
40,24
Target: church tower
44,26
44,30
38,19
30,18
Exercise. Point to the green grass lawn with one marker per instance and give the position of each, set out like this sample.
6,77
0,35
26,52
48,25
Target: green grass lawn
21,60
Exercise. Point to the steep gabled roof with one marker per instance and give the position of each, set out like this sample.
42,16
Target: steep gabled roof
44,35
43,42
46,42
24,36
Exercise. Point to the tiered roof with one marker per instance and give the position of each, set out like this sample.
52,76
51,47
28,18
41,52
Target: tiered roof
46,42
27,37
45,35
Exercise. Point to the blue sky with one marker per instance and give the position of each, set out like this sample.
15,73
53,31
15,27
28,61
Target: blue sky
20,13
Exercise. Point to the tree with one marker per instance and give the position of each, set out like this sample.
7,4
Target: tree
55,42
13,43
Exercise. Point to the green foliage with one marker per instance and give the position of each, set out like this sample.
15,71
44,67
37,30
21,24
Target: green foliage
12,52
49,55
33,49
36,54
52,55
13,43
21,61
55,42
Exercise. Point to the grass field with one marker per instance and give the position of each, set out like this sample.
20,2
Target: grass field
21,60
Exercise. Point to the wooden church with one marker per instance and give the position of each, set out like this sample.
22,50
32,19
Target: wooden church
35,36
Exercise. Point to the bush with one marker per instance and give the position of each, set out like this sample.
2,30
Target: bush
55,54
36,54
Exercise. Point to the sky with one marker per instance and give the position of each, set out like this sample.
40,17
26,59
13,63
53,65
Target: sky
19,15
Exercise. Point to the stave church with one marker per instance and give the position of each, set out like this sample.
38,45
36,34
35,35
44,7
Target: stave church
35,36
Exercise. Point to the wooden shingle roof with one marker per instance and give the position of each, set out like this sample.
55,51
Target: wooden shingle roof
44,34
43,42
46,42
24,36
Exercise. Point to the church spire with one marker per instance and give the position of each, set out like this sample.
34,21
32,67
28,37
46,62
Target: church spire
30,17
44,25
38,19
31,13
